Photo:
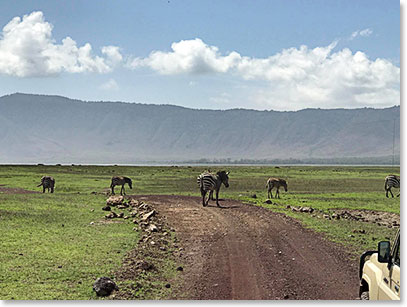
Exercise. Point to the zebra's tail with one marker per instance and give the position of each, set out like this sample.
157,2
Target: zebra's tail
40,184
385,184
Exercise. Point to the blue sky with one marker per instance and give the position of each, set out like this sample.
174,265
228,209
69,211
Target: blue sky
281,55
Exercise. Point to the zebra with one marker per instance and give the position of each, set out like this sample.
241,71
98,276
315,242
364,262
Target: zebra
47,182
119,180
277,183
211,182
391,181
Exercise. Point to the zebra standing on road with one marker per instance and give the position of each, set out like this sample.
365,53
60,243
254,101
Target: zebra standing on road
275,183
119,180
391,181
47,182
211,182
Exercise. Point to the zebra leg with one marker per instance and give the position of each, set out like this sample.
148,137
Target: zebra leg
211,195
204,203
124,190
392,196
217,198
112,189
43,189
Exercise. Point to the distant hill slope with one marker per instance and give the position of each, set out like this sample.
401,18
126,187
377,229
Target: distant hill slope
53,129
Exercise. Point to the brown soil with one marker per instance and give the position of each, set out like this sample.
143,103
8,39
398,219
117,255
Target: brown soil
6,190
246,252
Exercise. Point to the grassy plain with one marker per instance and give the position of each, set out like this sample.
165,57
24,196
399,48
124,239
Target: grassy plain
49,249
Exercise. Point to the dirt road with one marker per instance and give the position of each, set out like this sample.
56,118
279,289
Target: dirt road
245,252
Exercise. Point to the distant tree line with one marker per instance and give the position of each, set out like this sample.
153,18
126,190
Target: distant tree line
387,160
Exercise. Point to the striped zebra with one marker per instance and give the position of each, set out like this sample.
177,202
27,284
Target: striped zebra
211,182
391,181
119,180
275,183
47,182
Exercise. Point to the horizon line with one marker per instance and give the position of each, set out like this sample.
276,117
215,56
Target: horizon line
198,109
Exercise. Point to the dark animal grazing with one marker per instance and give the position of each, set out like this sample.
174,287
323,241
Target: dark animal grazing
119,180
391,181
47,182
211,182
275,183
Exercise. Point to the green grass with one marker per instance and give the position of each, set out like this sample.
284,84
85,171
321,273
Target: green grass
49,249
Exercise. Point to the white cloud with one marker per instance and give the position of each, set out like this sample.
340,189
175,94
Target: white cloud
364,33
110,85
296,77
188,56
28,49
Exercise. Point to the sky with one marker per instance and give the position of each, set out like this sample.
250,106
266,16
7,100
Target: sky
264,55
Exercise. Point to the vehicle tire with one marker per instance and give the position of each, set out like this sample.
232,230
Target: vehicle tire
364,296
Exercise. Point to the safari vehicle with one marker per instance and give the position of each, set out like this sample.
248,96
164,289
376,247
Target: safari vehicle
379,272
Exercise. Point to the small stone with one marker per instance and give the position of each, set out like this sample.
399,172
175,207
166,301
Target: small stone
152,228
254,196
148,215
106,208
268,201
180,268
104,286
92,223
114,200
168,286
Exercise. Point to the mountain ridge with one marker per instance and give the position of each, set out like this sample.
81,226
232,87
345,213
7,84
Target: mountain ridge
56,129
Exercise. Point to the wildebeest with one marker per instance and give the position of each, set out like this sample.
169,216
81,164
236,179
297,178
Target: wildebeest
275,183
211,182
120,180
47,182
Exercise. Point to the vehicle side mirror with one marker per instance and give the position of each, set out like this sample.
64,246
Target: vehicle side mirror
384,252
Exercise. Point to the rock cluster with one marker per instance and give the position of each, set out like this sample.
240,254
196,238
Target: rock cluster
155,237
301,209
380,218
